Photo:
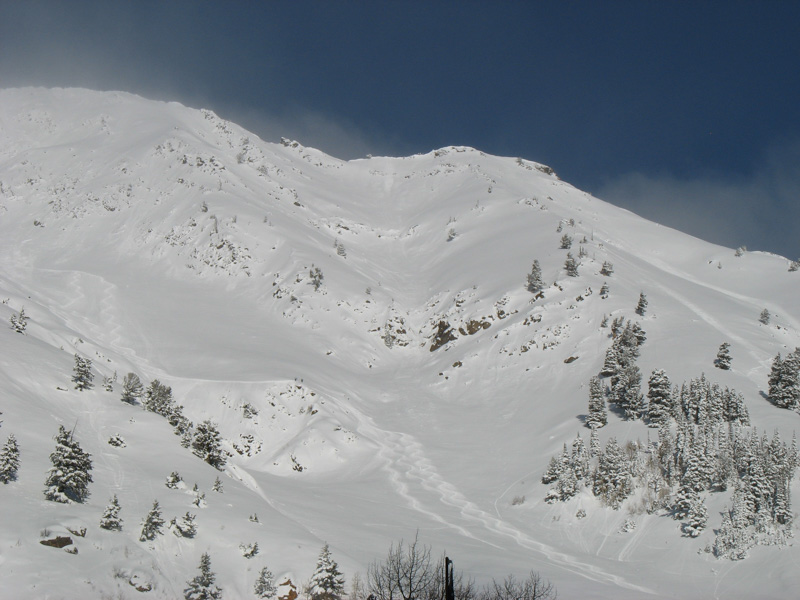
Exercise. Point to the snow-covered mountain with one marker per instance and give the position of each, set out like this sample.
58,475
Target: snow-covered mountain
361,334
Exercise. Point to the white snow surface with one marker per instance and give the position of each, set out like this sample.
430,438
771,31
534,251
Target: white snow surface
162,240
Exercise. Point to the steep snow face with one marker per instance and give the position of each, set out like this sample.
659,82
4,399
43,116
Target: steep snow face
362,335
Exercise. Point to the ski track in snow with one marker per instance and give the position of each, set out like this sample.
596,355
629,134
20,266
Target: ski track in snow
404,460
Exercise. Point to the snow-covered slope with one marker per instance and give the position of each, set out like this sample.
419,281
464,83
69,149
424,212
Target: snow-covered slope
165,241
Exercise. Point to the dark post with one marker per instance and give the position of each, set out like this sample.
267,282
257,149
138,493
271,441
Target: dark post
449,586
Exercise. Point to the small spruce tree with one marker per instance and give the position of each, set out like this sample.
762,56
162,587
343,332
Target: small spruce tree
598,417
764,317
202,587
566,241
265,584
217,487
82,375
607,268
111,519
534,279
571,265
185,526
641,307
153,524
723,360
19,321
9,460
327,582
207,444
69,478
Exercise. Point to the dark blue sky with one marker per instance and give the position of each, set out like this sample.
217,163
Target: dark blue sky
685,112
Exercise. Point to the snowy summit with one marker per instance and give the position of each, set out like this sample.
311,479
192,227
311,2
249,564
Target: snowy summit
225,361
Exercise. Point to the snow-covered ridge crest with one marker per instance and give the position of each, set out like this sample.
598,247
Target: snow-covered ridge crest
370,342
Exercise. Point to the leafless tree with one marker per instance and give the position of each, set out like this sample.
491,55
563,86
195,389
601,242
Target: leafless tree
406,574
533,588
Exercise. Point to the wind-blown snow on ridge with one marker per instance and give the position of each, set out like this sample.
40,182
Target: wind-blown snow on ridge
166,241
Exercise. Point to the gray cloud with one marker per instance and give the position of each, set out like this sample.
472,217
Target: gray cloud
760,210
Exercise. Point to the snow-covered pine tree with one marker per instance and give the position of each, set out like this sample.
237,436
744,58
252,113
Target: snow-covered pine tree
185,526
641,306
82,375
607,268
626,391
612,481
202,587
597,417
19,321
723,360
764,317
604,291
265,584
696,518
217,486
158,398
111,519
69,478
534,281
784,381
132,389
316,276
659,398
207,444
174,480
327,582
554,469
153,524
566,241
571,265
594,443
9,460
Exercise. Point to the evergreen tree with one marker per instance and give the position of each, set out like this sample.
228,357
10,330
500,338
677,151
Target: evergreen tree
659,398
696,518
152,524
598,416
69,478
158,398
566,241
184,527
174,480
764,317
607,268
604,290
202,587
579,459
723,360
571,265
111,519
217,487
207,444
642,305
327,582
82,375
265,584
19,321
626,391
132,389
534,279
594,443
683,502
784,380
9,460
612,481
554,469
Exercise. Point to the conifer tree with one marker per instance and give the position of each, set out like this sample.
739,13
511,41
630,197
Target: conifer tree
764,317
612,481
207,444
111,519
202,587
327,582
132,389
566,241
626,391
594,443
607,268
642,305
571,265
153,524
598,416
265,584
784,380
723,360
9,460
659,398
534,279
158,398
217,486
19,321
82,375
185,526
174,480
69,478
696,518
